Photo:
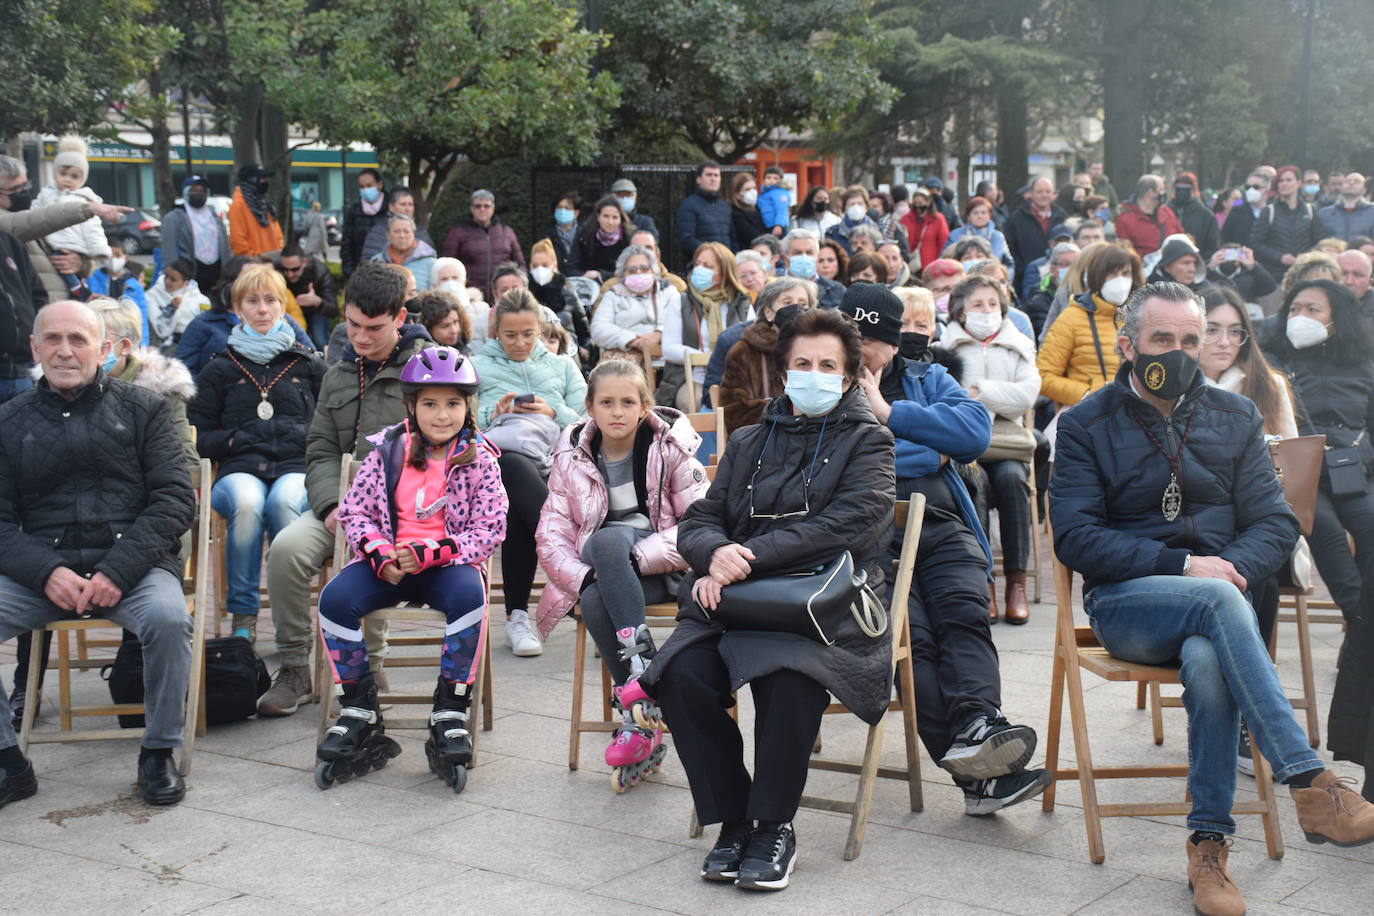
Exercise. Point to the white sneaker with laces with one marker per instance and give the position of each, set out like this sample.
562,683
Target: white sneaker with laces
520,636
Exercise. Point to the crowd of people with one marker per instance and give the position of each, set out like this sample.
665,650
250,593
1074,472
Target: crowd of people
1116,363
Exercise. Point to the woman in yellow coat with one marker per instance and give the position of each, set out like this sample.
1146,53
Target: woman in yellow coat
1079,355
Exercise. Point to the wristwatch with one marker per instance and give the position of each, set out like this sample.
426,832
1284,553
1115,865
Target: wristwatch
1187,563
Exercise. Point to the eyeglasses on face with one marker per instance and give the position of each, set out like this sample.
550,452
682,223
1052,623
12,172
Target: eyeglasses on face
1214,334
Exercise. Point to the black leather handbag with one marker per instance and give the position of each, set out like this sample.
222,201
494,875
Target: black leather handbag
812,603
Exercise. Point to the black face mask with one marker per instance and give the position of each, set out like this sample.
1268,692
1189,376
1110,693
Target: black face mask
1183,192
263,185
785,314
196,199
1165,375
912,345
20,200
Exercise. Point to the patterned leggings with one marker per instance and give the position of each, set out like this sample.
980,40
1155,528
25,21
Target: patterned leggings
356,591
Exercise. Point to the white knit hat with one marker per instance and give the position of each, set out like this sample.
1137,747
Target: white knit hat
72,151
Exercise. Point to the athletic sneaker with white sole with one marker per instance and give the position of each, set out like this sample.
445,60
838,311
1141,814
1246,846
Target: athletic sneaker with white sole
986,796
988,747
520,636
769,858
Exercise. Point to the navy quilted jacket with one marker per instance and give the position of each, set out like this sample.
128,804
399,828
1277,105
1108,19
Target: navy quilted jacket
1109,480
96,484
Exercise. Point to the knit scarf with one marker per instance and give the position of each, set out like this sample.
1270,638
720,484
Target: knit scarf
257,202
262,348
609,238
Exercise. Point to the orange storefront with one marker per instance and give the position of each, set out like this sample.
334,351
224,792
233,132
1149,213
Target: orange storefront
809,167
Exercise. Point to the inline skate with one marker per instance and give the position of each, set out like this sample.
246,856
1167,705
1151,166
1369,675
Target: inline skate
636,748
449,748
357,742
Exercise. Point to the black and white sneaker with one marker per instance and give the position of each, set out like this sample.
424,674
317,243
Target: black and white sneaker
989,747
1245,761
988,796
722,862
769,858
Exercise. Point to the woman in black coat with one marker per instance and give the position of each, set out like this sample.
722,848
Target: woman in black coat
791,493
746,223
1325,351
1286,227
600,240
251,412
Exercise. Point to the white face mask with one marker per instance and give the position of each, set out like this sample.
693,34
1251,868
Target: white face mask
749,197
1304,332
855,212
116,265
541,275
1116,290
982,325
1253,196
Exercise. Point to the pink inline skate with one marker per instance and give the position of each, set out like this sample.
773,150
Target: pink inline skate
636,748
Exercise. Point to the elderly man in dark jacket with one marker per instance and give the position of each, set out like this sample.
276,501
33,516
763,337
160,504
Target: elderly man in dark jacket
482,242
1164,498
94,498
958,681
703,215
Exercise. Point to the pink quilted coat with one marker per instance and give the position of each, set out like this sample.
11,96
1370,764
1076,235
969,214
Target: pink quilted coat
577,506
474,516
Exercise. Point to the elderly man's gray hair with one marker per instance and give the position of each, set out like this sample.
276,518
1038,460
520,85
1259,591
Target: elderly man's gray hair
11,168
1132,312
483,194
798,235
97,321
867,232
401,218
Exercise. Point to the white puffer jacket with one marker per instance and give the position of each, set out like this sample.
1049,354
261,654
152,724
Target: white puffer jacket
86,237
1002,369
621,316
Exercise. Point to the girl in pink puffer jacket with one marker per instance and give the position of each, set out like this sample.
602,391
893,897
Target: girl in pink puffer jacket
607,536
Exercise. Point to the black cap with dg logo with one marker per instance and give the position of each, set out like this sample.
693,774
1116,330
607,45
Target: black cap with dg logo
876,310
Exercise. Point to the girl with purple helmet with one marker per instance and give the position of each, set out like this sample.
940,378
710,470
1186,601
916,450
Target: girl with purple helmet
424,513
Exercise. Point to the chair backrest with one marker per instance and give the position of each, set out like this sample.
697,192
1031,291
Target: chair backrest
721,434
348,469
705,423
690,362
908,517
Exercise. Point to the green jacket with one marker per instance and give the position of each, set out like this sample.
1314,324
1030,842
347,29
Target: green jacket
343,421
554,378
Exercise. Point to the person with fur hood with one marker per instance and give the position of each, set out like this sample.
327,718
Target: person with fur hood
607,538
86,238
997,365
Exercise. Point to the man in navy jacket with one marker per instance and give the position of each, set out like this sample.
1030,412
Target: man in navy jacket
703,215
1164,498
958,681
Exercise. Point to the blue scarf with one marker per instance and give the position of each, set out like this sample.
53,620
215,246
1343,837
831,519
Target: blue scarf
262,348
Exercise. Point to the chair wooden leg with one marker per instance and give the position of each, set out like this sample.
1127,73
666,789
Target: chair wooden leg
607,709
863,801
195,692
1273,833
488,689
694,828
907,694
1055,724
64,680
1139,694
1309,689
579,673
324,679
478,705
31,704
1082,750
1156,713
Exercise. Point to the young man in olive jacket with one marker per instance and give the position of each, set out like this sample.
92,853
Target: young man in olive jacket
94,498
1164,499
360,395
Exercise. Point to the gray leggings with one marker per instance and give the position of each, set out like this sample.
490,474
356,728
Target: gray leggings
617,598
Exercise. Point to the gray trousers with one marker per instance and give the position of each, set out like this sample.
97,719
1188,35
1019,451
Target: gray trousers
155,610
296,555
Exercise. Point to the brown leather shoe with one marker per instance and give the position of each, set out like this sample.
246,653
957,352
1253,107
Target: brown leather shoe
1017,610
1214,893
993,615
1332,812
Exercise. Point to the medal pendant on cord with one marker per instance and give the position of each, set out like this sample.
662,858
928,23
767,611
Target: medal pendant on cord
1172,503
265,411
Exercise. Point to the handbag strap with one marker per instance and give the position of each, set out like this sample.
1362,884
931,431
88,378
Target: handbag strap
869,613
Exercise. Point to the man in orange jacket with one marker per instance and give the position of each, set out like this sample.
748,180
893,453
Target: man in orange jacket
253,226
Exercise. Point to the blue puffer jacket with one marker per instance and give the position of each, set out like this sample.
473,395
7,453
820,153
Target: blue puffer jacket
939,418
1109,481
1337,222
702,218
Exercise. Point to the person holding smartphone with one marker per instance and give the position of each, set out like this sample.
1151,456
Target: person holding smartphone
1234,265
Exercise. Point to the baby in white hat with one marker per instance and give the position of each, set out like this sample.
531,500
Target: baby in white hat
86,238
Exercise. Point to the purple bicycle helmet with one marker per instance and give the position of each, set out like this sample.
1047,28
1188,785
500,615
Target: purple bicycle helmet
439,366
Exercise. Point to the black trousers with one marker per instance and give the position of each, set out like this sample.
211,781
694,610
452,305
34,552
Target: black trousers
958,677
694,694
526,490
1344,576
1006,485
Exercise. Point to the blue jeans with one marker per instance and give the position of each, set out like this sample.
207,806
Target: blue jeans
317,326
253,509
9,387
1209,626
155,610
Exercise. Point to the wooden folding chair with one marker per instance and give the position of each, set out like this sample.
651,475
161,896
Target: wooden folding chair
908,516
67,710
690,363
1077,648
324,669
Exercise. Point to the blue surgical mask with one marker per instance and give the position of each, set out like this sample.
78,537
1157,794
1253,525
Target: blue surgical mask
627,204
1060,274
108,363
1311,190
248,329
370,194
814,393
563,216
703,278
802,265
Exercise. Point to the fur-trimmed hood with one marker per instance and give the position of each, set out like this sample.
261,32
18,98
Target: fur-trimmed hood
159,373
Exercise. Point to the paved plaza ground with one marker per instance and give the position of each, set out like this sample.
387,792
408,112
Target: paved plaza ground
255,835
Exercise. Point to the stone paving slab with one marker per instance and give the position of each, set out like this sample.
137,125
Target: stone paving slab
529,836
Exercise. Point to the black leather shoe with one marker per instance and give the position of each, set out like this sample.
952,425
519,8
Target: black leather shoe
160,781
769,858
722,862
19,785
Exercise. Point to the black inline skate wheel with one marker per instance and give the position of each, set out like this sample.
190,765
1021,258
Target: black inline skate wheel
458,778
324,774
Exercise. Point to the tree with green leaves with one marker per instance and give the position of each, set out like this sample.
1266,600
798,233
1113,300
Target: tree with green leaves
726,74
429,83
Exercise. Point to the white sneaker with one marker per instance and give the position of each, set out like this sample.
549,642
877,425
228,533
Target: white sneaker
520,637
